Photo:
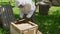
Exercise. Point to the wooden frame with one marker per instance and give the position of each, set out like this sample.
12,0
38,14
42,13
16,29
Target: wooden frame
14,29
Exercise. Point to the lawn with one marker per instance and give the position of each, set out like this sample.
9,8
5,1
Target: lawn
48,24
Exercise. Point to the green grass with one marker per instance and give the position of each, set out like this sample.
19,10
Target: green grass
2,31
49,24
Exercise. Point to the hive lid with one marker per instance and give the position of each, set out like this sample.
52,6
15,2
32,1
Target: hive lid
24,26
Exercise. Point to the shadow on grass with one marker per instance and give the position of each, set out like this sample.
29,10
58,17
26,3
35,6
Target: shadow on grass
48,24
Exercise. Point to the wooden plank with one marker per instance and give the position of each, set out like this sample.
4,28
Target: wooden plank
13,30
31,31
26,32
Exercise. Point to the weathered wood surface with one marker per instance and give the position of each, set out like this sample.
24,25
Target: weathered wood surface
15,29
7,16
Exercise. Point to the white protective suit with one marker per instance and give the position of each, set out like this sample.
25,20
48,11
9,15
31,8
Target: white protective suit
29,7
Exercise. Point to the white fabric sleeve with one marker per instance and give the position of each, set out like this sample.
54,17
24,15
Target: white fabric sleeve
29,15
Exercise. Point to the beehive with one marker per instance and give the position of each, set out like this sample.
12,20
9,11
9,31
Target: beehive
23,28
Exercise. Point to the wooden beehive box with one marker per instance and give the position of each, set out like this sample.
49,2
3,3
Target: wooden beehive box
23,27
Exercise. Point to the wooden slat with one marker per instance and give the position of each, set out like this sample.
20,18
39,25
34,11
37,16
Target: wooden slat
26,32
31,31
13,31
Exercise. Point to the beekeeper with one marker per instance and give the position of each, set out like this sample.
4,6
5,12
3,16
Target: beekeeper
26,7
